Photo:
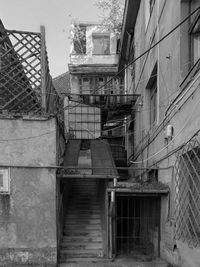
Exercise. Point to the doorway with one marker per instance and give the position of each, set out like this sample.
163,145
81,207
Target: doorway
137,226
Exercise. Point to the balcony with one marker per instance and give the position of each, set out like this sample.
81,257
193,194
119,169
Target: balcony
112,102
89,59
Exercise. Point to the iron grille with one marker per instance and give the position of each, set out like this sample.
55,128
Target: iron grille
137,225
187,194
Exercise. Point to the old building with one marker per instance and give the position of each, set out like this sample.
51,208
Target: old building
104,212
32,145
159,53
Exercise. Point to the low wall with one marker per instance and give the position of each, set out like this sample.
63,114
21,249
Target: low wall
28,218
28,212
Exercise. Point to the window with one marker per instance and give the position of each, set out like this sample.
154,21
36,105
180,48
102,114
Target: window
187,194
194,32
149,4
79,39
153,103
85,85
4,181
101,44
152,96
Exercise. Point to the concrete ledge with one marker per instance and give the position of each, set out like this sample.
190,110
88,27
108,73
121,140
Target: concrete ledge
42,257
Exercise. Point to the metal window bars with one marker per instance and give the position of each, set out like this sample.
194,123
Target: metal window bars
187,194
25,82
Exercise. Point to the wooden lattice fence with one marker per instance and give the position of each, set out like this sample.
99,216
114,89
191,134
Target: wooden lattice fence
25,82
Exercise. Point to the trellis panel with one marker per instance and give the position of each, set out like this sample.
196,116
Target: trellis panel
25,82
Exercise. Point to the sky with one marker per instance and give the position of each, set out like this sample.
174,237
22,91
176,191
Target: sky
55,15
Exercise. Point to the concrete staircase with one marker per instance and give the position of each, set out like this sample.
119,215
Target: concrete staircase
82,237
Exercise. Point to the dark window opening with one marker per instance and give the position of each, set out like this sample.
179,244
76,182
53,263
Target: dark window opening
79,39
194,32
153,103
152,87
153,176
151,5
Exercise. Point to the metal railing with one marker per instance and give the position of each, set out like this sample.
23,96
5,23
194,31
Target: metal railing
110,101
187,193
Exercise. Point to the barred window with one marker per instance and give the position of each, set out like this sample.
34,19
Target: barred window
187,195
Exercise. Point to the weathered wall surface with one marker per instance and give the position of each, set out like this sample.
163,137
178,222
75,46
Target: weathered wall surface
151,145
28,214
28,142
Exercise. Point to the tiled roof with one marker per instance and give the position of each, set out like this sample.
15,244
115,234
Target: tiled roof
62,83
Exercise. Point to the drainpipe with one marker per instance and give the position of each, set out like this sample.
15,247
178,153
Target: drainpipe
112,224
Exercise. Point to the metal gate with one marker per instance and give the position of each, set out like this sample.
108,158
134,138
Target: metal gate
137,226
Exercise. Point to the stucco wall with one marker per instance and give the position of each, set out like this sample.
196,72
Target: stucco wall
89,58
183,115
27,141
28,213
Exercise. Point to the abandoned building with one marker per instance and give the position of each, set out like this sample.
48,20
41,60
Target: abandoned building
103,161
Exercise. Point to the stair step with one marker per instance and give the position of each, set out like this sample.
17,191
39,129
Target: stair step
85,246
85,208
82,217
83,221
83,253
86,239
82,236
84,227
83,233
81,260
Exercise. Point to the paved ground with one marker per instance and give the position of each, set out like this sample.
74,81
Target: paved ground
118,263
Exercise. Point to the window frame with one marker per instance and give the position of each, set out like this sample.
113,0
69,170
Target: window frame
194,35
104,37
153,103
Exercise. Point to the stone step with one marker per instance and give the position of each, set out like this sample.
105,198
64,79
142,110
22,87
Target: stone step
84,207
87,239
82,260
83,221
84,227
85,233
82,216
82,245
82,253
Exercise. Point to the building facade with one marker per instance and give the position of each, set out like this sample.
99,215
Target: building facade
160,54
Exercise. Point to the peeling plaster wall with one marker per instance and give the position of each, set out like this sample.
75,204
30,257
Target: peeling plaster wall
28,214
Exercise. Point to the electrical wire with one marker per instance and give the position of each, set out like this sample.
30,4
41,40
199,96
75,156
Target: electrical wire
151,47
129,64
172,141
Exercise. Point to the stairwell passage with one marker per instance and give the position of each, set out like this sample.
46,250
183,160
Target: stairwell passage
82,237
